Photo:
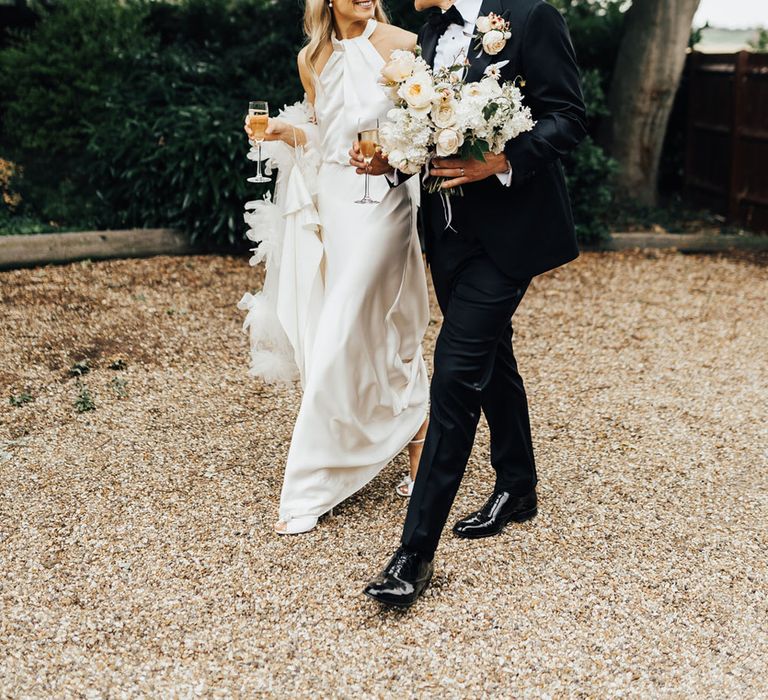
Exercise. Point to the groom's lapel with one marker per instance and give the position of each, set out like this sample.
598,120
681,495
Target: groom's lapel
429,40
478,64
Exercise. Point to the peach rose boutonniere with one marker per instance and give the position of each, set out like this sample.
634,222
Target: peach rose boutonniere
493,32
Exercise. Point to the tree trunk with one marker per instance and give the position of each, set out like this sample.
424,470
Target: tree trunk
648,70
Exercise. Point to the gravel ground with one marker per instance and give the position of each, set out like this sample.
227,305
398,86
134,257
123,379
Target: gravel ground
136,551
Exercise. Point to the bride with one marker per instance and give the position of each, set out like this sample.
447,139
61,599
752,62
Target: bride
344,305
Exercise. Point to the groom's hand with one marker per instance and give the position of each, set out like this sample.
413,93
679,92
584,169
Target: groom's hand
461,172
379,164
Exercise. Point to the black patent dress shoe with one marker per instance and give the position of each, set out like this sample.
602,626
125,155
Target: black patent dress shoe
500,509
403,579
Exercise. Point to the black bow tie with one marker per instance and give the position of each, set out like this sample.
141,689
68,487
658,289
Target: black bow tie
440,21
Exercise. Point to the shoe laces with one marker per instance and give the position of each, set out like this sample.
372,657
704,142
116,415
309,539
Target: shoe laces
401,559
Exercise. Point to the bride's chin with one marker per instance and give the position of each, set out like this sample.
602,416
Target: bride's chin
365,8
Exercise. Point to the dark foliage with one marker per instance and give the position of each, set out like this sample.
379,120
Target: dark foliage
130,114
589,170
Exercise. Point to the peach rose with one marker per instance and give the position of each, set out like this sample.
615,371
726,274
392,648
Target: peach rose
483,24
494,42
400,67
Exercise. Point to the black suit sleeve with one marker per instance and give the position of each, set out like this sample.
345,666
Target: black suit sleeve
552,92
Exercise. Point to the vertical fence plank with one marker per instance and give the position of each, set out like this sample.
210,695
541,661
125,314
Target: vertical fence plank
737,144
691,140
726,158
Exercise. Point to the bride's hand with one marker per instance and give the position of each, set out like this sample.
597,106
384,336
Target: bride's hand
379,165
277,130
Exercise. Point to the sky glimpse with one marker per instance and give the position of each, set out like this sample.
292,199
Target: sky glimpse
735,14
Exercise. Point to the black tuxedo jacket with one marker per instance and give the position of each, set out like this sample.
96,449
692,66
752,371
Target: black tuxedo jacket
526,228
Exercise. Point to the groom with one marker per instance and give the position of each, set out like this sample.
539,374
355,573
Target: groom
514,222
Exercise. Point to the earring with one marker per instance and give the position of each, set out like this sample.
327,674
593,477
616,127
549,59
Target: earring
330,5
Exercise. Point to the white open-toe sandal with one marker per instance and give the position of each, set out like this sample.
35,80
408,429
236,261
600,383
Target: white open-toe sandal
405,488
296,526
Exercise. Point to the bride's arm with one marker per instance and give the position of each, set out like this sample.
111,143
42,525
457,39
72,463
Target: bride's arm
280,130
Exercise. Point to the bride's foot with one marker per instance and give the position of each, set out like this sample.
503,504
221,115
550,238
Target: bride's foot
415,448
296,526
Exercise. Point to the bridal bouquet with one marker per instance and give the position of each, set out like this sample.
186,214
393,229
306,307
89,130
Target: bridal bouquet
438,113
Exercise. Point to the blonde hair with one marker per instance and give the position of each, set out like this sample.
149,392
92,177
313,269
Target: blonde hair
318,28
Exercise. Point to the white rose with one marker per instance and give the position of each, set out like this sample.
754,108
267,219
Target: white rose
448,142
444,114
483,24
409,168
472,90
493,42
391,92
399,67
418,93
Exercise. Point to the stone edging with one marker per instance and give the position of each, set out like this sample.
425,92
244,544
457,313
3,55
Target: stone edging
685,242
45,248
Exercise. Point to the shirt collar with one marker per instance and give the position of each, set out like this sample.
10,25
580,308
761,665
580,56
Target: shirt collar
470,10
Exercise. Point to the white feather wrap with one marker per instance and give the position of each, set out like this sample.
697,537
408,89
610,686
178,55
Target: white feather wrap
287,232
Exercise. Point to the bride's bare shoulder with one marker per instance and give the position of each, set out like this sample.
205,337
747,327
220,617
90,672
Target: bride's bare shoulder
306,74
388,38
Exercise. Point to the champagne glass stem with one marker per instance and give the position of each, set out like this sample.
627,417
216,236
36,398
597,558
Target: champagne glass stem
258,163
367,196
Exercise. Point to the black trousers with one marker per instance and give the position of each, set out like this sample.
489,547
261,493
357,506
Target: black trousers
475,369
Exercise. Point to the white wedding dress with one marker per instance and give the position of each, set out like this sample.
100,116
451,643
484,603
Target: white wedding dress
344,305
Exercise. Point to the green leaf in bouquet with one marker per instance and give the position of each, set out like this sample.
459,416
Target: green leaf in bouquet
490,109
478,150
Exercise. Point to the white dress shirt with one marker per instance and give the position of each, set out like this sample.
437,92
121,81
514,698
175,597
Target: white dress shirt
456,43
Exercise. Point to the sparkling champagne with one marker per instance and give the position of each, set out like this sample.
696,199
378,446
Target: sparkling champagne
367,140
258,123
258,120
367,136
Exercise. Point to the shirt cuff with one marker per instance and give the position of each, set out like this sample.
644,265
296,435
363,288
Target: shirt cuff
505,178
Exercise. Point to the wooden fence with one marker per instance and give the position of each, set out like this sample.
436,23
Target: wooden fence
727,141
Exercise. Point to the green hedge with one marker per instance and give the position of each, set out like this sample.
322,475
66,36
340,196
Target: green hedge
130,114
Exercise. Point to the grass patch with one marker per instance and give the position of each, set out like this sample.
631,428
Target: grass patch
84,401
24,397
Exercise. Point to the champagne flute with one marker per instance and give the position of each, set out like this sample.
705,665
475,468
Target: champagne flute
367,138
258,120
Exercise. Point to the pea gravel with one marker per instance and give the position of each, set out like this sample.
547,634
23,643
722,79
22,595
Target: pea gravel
136,551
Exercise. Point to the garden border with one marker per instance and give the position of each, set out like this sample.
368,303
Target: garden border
46,248
704,242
